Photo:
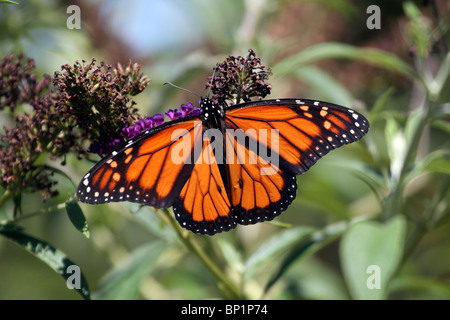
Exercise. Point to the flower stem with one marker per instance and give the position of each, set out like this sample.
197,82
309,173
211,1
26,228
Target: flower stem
59,206
394,198
187,240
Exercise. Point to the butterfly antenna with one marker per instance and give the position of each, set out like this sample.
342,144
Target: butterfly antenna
212,79
196,94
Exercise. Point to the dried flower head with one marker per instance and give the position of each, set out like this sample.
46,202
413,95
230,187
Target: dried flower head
33,133
239,79
97,97
17,83
88,104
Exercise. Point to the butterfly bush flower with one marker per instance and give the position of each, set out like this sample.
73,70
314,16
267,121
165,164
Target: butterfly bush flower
174,114
141,125
132,131
98,97
33,133
239,79
102,147
184,111
17,83
86,104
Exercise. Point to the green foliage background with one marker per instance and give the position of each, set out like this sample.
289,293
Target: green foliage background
382,201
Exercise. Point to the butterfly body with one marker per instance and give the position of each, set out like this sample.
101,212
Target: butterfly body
211,113
228,165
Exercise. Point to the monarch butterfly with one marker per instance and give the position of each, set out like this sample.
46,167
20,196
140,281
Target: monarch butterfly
210,191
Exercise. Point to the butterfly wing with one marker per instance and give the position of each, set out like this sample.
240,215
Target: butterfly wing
294,133
259,190
308,129
203,205
247,190
150,169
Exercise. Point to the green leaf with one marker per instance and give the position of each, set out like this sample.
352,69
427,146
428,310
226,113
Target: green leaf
442,110
421,287
278,244
123,282
436,161
315,279
442,125
324,84
77,217
440,116
381,103
413,123
334,50
307,246
8,1
370,253
148,218
231,254
54,258
373,179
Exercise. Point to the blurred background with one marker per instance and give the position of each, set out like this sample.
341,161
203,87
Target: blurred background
180,41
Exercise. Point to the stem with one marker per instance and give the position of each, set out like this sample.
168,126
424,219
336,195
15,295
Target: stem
436,16
412,242
51,209
427,222
209,264
395,197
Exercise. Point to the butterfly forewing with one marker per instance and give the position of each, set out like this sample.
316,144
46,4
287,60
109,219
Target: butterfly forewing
307,129
150,170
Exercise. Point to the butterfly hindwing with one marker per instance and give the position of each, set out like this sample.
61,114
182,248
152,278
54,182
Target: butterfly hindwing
252,190
259,190
203,205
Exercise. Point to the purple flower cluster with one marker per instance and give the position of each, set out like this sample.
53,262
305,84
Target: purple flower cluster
102,147
184,111
129,132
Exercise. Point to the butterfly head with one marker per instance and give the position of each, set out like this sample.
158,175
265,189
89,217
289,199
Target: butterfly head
210,110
